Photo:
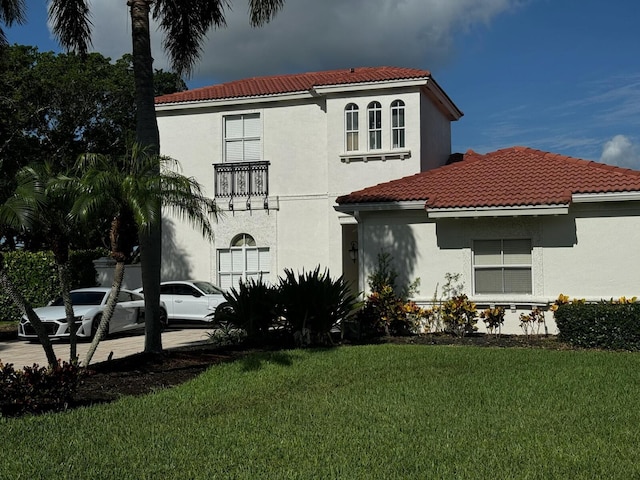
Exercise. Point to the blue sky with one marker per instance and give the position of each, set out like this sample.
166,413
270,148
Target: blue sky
560,76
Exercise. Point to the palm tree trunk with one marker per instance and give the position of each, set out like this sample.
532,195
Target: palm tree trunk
118,275
63,273
147,135
8,286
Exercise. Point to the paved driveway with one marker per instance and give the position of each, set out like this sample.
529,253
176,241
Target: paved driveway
22,353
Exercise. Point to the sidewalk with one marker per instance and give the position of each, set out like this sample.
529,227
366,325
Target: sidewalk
21,353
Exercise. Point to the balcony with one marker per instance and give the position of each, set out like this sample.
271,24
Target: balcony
242,179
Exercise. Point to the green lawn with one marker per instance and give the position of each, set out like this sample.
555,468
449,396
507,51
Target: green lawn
367,412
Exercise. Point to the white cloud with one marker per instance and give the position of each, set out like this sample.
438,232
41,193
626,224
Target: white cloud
312,35
621,151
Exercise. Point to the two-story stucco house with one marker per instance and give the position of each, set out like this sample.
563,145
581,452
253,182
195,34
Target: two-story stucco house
277,151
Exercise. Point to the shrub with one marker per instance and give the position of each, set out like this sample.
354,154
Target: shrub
313,304
493,318
532,322
37,389
611,325
253,307
387,310
459,315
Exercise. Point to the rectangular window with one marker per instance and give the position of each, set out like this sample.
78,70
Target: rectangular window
502,266
242,263
242,138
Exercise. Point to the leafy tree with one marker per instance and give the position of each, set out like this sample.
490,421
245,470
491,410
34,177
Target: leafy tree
128,189
58,106
184,25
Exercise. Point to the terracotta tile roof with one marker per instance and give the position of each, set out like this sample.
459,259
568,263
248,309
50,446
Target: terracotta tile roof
516,176
300,82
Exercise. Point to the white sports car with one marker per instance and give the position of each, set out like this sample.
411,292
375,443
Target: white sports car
190,300
88,305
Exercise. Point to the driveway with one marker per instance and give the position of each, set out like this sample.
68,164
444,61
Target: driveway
21,353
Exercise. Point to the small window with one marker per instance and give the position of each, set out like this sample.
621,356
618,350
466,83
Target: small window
397,124
374,111
351,127
502,266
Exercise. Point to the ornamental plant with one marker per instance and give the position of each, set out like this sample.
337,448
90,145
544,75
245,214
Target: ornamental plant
387,309
532,322
459,315
493,318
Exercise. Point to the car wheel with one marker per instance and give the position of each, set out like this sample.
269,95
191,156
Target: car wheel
164,319
95,323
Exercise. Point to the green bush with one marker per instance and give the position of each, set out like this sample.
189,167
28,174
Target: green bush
36,389
313,304
252,307
35,275
387,310
610,325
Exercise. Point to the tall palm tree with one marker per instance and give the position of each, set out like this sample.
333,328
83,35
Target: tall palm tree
185,24
21,211
130,189
11,11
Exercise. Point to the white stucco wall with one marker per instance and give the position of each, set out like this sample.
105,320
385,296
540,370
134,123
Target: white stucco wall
591,253
304,141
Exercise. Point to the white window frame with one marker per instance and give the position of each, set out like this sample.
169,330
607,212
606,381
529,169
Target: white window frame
243,245
246,137
351,127
398,132
502,266
374,125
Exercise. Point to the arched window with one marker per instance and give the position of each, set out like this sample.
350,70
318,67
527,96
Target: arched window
351,127
374,111
243,260
397,124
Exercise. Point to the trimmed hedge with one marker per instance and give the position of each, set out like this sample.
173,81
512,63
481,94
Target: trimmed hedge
35,275
600,325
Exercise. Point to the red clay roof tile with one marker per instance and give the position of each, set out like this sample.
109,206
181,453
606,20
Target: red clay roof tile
299,82
516,176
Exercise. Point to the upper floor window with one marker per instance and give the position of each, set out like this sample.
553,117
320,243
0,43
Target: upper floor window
502,266
374,111
351,126
397,124
242,142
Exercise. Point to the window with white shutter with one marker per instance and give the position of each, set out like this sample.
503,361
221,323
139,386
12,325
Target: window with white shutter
502,266
243,260
242,138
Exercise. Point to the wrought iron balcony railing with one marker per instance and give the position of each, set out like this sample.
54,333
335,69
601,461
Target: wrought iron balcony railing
241,179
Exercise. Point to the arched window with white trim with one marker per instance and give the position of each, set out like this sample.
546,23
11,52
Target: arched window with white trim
374,113
351,113
397,124
243,260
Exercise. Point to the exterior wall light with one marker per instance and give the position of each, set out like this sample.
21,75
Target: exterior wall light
353,252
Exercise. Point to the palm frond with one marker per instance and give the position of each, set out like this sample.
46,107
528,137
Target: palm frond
11,11
185,25
262,11
71,24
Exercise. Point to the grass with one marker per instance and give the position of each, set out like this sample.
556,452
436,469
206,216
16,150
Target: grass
386,411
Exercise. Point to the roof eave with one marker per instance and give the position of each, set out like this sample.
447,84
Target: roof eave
222,102
369,85
443,100
504,211
350,208
605,197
